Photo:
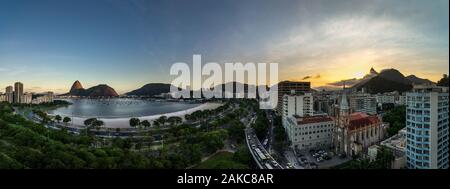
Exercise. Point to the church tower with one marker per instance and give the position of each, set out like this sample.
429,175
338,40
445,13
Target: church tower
342,121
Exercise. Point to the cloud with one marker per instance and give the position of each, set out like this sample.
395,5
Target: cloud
347,82
311,77
340,43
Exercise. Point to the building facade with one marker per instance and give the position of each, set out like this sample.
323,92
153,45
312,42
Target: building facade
386,98
43,98
397,145
300,105
2,97
355,132
27,98
290,87
9,94
427,128
311,132
363,102
18,93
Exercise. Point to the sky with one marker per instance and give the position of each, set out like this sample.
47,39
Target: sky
48,44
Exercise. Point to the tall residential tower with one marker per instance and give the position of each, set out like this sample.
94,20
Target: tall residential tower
427,128
18,93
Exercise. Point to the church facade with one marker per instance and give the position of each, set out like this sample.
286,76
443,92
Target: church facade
355,132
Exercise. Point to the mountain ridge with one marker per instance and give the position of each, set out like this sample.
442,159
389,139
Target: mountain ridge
101,90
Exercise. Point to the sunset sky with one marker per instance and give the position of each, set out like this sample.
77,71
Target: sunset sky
48,44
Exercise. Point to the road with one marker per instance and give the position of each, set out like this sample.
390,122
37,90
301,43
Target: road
262,158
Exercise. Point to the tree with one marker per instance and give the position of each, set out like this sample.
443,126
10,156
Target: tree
88,124
162,120
97,124
242,155
146,124
67,120
58,118
261,125
384,158
214,140
444,81
396,119
134,122
174,120
236,131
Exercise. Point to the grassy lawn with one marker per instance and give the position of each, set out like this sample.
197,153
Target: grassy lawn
222,160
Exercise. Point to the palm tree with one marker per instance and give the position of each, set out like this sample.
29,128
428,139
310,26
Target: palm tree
174,120
135,122
58,118
162,120
97,124
66,120
88,123
146,123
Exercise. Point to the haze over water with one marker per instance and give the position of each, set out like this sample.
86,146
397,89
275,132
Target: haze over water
119,108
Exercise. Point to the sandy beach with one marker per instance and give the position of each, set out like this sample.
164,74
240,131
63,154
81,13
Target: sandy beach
124,122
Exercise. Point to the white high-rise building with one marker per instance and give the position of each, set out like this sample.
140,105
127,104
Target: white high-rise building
386,98
427,128
296,104
2,97
27,98
9,94
18,93
363,102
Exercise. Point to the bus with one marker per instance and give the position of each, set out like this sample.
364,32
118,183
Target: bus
268,166
260,154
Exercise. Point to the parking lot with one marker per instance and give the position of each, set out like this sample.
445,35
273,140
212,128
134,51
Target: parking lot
315,159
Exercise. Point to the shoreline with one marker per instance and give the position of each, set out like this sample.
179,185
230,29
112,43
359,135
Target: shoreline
124,122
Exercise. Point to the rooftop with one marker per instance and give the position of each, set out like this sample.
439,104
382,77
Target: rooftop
359,119
397,141
312,119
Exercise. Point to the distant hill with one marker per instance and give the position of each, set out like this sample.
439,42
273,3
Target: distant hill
366,78
76,89
100,91
418,81
383,85
386,81
97,91
151,89
394,75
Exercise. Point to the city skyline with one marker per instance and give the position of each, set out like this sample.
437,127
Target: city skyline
50,44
